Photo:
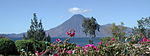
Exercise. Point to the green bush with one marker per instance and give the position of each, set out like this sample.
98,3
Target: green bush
7,47
31,45
24,45
106,39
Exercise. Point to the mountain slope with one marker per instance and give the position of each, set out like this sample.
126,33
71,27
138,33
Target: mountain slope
75,22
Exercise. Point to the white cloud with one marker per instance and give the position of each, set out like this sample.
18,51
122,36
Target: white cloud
76,10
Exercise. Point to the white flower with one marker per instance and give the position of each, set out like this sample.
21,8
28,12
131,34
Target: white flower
147,52
73,51
137,45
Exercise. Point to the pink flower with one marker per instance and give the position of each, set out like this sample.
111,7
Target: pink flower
100,43
58,40
85,49
67,33
72,34
55,54
88,45
94,47
77,45
37,53
148,40
113,39
69,52
107,44
144,39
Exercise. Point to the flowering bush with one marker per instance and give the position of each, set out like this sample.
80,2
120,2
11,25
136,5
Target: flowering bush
109,46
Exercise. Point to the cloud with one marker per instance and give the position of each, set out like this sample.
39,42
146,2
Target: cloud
76,10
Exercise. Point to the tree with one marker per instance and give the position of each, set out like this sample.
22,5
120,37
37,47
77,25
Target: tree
36,31
48,38
24,36
143,27
115,30
90,26
118,31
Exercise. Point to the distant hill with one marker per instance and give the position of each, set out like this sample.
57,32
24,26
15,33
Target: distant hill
75,22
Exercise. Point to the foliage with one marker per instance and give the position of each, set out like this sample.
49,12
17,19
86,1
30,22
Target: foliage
118,31
7,47
109,47
106,39
48,38
90,26
25,45
143,27
31,45
36,31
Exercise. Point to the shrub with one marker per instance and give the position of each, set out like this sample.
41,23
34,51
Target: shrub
24,45
106,39
31,45
7,47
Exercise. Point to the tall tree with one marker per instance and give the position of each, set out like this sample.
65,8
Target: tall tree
36,31
144,26
90,26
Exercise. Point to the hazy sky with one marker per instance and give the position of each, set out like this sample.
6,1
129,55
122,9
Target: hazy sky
15,15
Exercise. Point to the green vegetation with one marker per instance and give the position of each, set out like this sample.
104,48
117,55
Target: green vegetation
36,31
143,27
31,46
90,26
7,47
118,31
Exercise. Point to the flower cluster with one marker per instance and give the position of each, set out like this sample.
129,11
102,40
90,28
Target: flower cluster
145,40
58,40
71,33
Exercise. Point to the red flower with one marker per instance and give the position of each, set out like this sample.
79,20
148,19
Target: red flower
89,45
69,52
77,45
58,40
37,53
144,39
55,54
113,39
107,44
71,33
100,43
148,40
67,33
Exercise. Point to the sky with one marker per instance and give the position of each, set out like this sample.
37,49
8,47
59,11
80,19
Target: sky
16,15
